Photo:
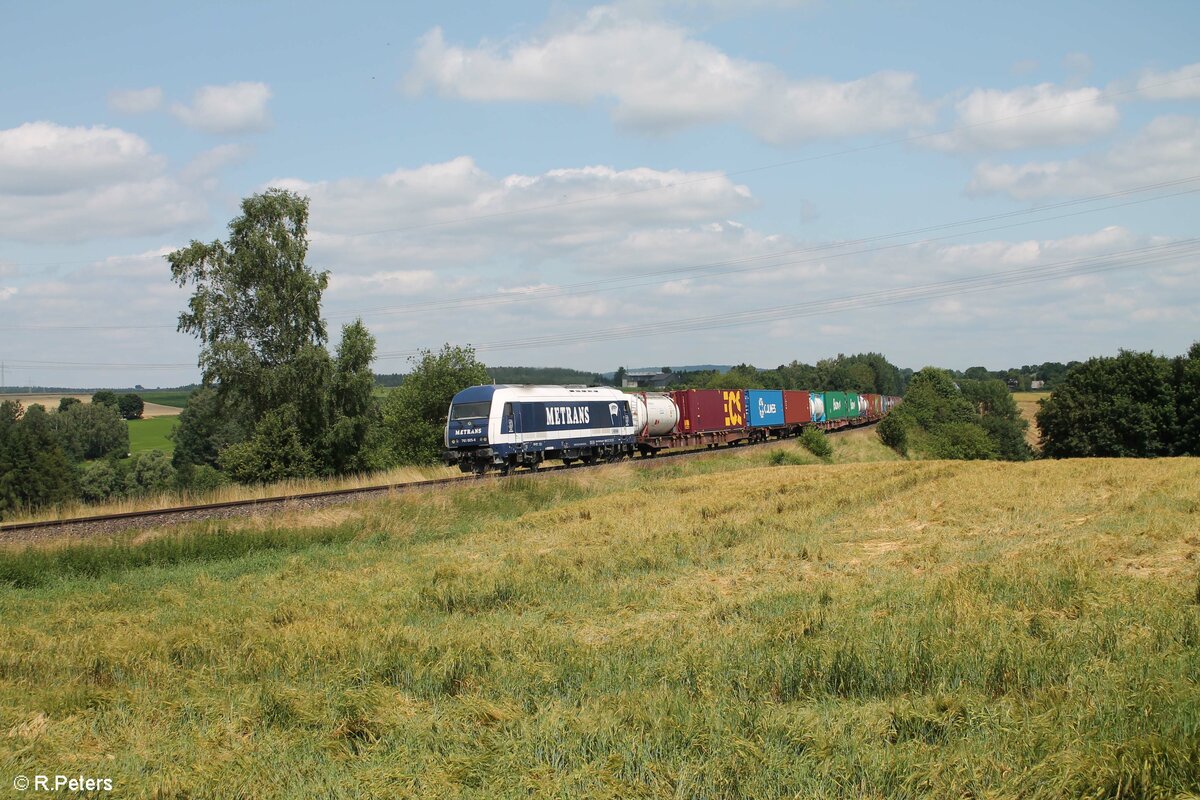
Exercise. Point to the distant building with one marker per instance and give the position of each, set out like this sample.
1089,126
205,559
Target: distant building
1034,385
646,380
1014,385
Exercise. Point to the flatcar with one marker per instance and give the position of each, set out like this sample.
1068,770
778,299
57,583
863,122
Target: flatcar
507,427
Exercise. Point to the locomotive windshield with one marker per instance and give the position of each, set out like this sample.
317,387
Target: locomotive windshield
470,410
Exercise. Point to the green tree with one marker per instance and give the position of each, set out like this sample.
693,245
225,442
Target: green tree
1111,407
66,402
91,430
255,308
205,429
104,397
34,470
353,441
414,414
131,406
944,419
1187,402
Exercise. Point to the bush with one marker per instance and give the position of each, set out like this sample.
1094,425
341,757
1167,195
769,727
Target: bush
100,481
275,452
813,439
892,432
200,478
150,472
965,441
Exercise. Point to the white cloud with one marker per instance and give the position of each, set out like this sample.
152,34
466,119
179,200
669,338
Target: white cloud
43,158
663,79
557,210
1166,149
70,184
232,108
136,101
213,160
7,292
1179,84
1031,116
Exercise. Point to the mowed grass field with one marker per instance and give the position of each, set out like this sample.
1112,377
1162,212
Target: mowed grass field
152,434
710,628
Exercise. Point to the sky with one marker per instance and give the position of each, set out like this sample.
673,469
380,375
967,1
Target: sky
643,183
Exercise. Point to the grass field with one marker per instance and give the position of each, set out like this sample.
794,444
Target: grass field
151,434
1028,404
714,628
178,399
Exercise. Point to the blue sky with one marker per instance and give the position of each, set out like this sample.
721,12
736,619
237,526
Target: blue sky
638,183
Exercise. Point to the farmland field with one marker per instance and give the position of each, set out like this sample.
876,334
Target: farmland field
711,628
1028,405
167,397
151,434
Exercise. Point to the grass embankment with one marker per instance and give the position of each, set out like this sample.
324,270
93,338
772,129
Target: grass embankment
152,434
708,628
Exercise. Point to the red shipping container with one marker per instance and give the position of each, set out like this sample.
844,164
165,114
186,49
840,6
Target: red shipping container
703,410
796,408
874,404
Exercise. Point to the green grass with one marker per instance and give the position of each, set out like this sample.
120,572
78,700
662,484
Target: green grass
178,399
740,625
151,434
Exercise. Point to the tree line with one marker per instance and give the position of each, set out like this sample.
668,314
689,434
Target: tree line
78,452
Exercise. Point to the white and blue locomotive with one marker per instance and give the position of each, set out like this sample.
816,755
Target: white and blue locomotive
504,427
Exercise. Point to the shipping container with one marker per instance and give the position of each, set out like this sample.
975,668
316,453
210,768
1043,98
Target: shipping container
764,408
836,406
710,410
796,408
852,407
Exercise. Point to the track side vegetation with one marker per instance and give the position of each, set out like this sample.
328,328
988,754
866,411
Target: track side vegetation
728,626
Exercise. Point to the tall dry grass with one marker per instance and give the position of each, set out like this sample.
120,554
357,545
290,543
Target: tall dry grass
725,627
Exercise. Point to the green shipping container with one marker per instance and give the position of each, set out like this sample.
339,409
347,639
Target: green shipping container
852,404
836,405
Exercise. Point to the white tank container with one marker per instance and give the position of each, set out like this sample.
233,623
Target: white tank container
653,414
816,405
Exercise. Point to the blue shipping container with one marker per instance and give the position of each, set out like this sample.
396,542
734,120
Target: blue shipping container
765,407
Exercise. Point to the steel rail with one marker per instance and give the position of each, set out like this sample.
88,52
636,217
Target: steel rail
279,500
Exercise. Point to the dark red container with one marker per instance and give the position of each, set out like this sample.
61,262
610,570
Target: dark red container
703,410
796,408
874,404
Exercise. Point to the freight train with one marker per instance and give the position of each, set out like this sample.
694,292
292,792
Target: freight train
506,427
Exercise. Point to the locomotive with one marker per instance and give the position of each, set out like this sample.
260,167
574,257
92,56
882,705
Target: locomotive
505,427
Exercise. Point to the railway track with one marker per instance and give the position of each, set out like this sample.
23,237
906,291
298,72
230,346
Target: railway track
100,524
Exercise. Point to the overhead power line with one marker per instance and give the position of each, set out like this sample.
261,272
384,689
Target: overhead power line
1142,257
745,264
723,174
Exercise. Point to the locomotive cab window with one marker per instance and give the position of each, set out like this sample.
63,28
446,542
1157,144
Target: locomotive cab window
469,410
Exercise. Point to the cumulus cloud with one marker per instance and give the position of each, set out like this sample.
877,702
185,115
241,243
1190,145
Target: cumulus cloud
560,209
1179,84
215,159
70,184
232,108
136,101
44,158
662,79
1166,149
1030,116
